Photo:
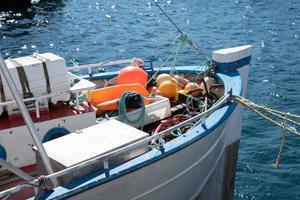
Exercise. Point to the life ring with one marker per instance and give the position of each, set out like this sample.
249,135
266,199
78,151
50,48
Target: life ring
55,133
3,154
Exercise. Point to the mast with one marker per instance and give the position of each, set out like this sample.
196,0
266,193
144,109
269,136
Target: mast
26,117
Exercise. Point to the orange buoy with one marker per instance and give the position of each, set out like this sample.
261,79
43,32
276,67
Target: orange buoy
193,89
132,74
168,89
181,81
114,92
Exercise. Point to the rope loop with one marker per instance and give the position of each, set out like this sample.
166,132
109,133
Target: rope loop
123,110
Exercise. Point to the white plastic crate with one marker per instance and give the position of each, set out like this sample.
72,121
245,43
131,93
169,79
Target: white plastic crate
33,67
89,143
159,109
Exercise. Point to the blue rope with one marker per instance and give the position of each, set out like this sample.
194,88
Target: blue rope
123,111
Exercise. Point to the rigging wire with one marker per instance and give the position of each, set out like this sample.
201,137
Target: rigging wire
181,32
190,42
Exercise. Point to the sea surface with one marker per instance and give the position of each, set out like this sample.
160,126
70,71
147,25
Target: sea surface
89,31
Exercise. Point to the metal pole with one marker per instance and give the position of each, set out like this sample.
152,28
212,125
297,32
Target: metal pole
26,117
15,170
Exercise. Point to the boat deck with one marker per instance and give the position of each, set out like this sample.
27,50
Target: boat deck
61,110
24,194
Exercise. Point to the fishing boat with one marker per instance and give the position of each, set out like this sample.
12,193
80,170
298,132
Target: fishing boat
139,132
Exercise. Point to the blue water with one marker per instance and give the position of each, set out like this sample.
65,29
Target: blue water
87,31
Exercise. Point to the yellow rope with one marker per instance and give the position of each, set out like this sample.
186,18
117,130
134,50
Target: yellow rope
258,109
276,113
276,164
284,118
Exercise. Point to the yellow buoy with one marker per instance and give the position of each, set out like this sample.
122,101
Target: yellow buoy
168,89
161,78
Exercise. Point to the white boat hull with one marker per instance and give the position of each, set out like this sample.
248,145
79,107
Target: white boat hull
18,142
182,175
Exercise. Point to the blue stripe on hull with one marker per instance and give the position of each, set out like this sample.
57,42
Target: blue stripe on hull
232,66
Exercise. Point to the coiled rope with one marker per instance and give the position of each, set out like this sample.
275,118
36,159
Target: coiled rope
123,110
288,125
195,105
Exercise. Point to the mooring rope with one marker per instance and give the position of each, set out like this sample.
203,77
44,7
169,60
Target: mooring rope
259,109
282,144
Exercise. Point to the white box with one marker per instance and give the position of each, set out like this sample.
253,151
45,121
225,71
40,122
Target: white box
159,109
89,143
57,72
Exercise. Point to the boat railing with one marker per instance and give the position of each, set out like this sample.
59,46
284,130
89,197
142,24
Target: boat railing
105,158
90,67
36,101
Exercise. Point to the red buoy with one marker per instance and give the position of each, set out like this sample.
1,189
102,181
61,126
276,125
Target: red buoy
132,74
